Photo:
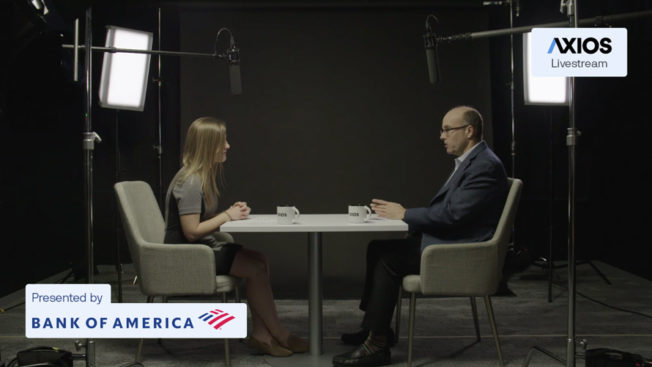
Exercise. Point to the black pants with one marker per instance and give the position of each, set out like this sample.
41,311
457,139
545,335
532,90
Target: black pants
388,261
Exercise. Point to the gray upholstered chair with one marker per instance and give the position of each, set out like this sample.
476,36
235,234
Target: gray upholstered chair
465,269
167,270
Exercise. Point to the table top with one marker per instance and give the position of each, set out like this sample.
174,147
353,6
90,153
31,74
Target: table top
314,223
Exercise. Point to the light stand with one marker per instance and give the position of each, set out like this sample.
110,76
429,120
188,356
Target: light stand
571,142
88,145
512,106
569,7
514,8
116,147
158,148
548,91
511,85
90,137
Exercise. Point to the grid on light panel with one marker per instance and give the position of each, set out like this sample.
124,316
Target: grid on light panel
124,75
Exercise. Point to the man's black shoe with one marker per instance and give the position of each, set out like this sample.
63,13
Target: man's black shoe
363,357
359,337
356,338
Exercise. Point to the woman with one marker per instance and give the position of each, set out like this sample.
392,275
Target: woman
192,217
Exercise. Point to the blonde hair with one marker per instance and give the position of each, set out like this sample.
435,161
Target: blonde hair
205,140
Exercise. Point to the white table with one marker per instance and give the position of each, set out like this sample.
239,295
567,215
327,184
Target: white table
314,225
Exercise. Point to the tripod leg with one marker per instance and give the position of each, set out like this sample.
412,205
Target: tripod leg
67,276
526,363
599,272
551,269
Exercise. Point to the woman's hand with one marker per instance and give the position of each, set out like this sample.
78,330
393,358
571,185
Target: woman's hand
238,211
193,229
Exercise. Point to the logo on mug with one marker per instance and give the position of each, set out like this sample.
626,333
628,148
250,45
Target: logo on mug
359,213
287,214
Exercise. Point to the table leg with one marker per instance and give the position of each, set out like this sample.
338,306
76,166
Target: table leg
316,357
315,297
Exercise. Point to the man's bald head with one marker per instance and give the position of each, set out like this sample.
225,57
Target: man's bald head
466,115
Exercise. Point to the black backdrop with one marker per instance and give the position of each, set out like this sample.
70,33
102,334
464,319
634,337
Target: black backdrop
336,108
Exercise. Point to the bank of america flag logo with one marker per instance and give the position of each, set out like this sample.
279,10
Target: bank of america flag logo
216,318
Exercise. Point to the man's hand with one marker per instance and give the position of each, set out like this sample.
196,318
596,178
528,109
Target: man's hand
387,209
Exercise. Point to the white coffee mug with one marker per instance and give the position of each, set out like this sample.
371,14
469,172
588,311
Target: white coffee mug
287,214
359,213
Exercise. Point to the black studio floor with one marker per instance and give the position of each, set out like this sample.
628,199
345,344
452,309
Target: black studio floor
616,316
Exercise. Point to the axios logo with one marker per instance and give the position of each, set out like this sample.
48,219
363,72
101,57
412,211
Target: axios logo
578,45
217,317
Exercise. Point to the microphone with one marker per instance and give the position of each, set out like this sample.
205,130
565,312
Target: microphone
432,59
233,57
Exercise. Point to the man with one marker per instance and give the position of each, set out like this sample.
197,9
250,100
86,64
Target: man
465,209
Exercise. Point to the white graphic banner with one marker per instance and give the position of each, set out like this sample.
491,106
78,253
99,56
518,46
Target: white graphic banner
86,311
579,52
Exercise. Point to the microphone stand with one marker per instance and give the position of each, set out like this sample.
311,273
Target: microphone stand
569,7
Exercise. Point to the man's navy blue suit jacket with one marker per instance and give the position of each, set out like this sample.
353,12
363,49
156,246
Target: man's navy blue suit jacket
468,207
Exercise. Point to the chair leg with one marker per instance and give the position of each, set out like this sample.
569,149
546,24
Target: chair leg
164,299
413,302
494,330
227,353
399,302
139,350
474,309
227,350
237,294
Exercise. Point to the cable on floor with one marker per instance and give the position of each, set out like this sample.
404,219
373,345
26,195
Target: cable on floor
11,307
606,304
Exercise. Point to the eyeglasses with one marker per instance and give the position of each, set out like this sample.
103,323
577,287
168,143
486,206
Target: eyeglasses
447,130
